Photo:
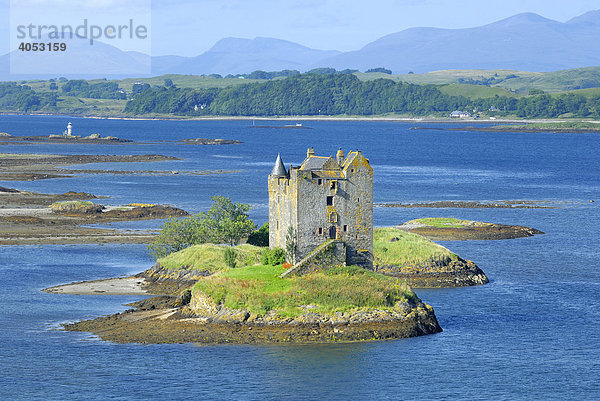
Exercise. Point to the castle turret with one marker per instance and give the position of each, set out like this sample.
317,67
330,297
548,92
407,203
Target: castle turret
310,152
279,169
339,157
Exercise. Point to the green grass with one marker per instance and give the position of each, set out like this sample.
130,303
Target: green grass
475,91
441,222
259,289
409,249
210,257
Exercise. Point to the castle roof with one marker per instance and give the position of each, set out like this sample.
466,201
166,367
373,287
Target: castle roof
279,169
328,167
314,163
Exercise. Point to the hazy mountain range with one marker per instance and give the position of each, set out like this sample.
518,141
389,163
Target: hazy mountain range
525,42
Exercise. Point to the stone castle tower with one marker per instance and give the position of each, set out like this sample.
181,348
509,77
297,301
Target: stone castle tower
324,198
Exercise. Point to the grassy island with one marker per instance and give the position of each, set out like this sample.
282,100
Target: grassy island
260,289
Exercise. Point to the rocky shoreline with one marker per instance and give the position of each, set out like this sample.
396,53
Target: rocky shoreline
187,319
30,167
35,218
469,230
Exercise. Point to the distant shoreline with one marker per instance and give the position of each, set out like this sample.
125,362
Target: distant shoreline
424,120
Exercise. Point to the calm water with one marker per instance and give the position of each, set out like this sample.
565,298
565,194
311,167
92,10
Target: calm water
532,333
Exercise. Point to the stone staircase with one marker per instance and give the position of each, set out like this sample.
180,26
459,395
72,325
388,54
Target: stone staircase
331,253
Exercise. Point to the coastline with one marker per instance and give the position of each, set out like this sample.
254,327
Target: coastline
409,119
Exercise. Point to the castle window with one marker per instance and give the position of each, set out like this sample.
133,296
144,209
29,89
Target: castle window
320,230
345,228
351,170
357,200
333,217
330,201
333,184
319,181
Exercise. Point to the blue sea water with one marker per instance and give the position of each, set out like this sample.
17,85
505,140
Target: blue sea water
533,332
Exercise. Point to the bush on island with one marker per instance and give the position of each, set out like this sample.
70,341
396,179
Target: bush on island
273,257
229,256
260,237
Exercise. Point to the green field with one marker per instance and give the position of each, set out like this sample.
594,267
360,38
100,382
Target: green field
475,91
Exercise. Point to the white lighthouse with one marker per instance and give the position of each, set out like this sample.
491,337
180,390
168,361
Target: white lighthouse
69,129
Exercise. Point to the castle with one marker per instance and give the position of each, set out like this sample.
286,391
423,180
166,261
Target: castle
324,199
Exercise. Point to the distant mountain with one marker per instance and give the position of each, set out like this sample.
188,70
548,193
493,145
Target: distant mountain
239,56
227,56
526,42
80,60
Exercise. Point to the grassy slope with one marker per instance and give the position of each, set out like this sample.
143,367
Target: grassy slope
210,257
259,289
551,82
408,250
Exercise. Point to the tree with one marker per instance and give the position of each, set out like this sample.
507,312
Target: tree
380,69
225,222
177,234
229,220
168,82
53,86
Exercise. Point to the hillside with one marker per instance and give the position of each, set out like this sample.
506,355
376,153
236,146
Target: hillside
493,93
515,81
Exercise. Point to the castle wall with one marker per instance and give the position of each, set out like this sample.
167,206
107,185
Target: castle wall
313,213
357,212
302,202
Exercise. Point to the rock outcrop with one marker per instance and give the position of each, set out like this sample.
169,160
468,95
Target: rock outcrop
438,273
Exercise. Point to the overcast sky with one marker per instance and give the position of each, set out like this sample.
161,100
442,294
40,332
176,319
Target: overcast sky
190,27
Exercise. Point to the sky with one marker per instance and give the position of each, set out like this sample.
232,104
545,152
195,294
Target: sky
190,27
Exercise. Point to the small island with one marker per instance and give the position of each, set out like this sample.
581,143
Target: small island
36,218
451,229
327,274
210,302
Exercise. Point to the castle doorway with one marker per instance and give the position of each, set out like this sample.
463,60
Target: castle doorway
332,232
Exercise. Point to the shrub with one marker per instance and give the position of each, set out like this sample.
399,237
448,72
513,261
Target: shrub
272,257
230,257
260,237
